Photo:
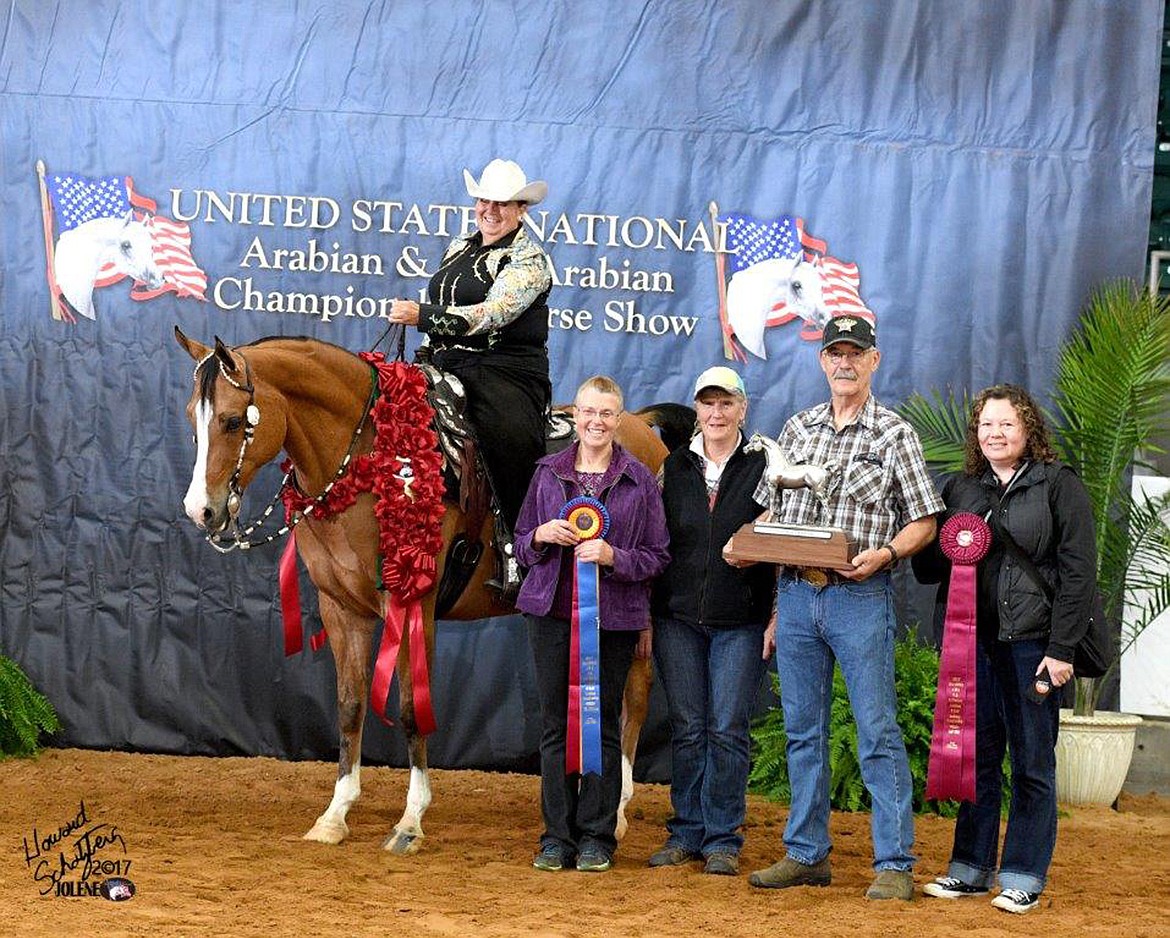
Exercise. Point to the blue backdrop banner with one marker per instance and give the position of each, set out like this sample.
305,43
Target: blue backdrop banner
722,177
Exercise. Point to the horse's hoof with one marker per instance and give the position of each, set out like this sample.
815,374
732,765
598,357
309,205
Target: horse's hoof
620,830
402,844
328,832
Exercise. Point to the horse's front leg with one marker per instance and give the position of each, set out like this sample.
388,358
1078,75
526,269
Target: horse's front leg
408,832
350,638
635,703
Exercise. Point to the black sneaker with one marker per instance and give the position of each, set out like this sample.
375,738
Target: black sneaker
593,860
1016,900
948,887
552,858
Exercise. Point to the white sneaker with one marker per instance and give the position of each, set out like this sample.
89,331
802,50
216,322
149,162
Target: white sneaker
948,887
1016,900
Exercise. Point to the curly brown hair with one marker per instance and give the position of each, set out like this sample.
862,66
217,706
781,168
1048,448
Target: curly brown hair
1038,445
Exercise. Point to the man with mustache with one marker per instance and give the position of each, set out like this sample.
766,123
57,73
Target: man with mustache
885,500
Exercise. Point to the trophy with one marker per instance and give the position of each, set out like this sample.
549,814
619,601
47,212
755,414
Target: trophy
795,545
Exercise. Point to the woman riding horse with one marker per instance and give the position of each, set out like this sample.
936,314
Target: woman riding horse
486,322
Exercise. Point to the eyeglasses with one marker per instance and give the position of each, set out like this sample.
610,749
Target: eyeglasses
592,413
853,355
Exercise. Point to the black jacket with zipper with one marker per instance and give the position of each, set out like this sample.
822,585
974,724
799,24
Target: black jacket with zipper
699,587
1048,513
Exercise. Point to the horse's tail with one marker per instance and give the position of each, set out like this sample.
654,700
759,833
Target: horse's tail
675,422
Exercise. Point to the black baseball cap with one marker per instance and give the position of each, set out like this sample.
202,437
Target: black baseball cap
851,329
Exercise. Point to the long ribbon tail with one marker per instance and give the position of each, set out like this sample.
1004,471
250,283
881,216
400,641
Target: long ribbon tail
290,598
573,724
399,618
589,616
290,603
951,771
420,676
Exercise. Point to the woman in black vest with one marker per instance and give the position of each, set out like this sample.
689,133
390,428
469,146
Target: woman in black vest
486,322
709,628
1030,615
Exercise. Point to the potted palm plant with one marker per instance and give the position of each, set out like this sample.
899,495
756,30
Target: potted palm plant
1112,385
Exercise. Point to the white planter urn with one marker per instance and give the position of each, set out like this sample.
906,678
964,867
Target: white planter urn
1093,755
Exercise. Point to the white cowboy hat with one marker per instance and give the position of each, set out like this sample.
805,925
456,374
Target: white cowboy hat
504,181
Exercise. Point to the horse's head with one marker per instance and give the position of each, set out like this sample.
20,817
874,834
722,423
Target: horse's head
806,295
239,426
132,251
755,443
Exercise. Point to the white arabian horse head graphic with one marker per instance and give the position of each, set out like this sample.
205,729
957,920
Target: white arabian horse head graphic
125,245
755,291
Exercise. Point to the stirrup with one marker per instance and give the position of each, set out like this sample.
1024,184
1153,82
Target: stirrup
509,585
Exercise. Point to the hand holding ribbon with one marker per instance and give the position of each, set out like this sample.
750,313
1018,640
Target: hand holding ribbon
965,539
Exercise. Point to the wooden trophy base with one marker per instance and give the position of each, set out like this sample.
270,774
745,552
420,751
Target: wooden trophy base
793,545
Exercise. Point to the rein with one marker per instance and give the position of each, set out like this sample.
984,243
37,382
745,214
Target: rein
235,495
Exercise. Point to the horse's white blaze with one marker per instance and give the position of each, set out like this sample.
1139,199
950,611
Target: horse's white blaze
196,498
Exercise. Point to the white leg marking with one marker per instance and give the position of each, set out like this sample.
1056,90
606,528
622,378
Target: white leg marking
331,827
408,831
196,498
627,794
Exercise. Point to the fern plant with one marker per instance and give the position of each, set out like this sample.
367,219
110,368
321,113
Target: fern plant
916,675
25,713
1112,384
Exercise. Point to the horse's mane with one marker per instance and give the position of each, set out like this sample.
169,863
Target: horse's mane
207,370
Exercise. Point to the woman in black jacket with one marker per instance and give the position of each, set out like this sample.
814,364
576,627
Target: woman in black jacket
709,628
1030,615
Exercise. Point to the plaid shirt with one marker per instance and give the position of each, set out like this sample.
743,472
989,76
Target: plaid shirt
881,484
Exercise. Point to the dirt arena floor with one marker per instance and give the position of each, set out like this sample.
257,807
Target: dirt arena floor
213,848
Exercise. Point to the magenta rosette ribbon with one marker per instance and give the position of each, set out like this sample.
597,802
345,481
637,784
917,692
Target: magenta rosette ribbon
965,539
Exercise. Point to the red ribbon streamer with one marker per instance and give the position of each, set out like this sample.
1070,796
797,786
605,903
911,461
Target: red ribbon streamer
965,539
398,615
290,598
290,603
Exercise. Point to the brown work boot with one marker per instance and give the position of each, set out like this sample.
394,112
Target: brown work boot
892,884
788,872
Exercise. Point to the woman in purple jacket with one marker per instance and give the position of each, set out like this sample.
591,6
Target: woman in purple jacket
580,810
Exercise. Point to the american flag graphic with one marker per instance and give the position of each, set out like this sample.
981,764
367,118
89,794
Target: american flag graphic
77,199
750,303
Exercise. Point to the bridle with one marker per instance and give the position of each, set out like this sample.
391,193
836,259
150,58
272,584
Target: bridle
235,493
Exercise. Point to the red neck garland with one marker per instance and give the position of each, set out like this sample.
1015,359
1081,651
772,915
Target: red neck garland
404,471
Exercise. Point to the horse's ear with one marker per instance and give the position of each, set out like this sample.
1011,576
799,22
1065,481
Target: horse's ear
224,354
197,350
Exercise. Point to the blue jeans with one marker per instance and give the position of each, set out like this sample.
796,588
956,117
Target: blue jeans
711,678
854,624
1004,716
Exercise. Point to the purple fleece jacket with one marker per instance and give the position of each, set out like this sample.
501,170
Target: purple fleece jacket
637,534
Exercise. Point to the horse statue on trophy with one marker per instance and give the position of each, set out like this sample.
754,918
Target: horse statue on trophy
782,474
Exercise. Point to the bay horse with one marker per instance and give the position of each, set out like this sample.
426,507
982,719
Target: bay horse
308,398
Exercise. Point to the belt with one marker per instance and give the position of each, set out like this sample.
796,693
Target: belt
818,577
